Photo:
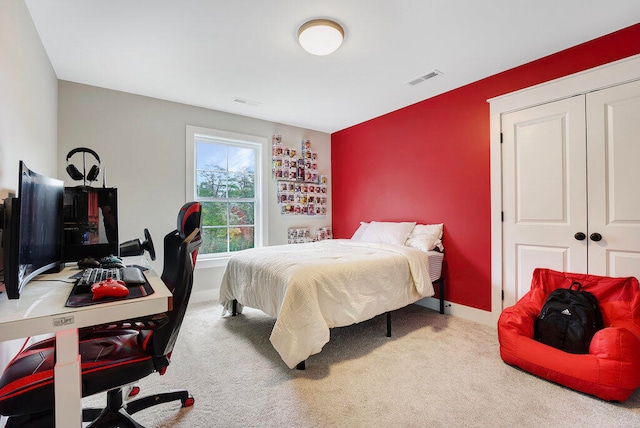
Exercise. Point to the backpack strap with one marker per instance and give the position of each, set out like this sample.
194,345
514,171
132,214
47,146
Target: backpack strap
577,284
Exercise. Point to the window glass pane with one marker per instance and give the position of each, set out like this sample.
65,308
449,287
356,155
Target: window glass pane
242,159
227,186
214,213
214,240
241,186
240,238
241,213
211,156
211,184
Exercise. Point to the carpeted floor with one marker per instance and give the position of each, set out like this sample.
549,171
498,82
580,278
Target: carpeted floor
436,371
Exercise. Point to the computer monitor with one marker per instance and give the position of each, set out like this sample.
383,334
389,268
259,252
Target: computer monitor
90,222
32,231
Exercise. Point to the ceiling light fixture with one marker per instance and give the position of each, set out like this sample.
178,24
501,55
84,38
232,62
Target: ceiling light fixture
320,36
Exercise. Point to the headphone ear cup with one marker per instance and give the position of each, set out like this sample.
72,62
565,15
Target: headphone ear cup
74,173
93,173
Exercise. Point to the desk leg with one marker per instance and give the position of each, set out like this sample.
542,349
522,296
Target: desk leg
67,386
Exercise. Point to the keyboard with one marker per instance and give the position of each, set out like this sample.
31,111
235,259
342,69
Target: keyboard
130,275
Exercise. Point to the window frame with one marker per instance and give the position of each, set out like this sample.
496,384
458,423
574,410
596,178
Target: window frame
193,133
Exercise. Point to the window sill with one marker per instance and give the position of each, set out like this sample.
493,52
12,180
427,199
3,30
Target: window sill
212,262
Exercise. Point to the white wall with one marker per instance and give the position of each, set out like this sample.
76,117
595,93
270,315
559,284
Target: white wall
28,98
28,110
141,142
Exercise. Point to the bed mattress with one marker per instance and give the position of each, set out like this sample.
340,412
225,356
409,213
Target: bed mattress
435,265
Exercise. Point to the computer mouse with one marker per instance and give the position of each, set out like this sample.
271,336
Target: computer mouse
109,288
88,262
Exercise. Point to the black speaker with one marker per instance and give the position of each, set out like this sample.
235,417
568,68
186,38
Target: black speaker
135,247
73,171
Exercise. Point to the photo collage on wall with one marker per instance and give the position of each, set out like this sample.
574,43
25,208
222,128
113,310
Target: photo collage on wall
300,235
301,190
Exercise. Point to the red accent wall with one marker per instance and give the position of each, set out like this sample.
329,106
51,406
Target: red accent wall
429,162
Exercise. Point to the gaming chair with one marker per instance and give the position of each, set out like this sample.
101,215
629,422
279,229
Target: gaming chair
113,356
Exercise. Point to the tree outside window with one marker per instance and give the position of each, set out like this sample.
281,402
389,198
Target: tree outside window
226,187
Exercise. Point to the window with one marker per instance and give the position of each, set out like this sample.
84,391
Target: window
224,175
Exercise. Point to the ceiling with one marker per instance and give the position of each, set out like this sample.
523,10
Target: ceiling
209,53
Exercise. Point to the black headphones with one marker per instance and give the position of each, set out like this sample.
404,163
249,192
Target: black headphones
75,173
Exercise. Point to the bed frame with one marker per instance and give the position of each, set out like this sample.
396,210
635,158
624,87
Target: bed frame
439,281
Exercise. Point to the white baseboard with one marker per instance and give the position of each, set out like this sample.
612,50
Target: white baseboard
204,296
461,311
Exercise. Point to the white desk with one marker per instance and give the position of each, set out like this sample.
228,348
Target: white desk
40,309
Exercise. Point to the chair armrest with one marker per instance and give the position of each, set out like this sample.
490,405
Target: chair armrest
515,325
519,319
616,343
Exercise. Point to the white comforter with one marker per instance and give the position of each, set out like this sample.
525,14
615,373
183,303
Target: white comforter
313,287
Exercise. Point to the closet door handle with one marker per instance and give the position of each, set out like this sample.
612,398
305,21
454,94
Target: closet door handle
595,237
580,236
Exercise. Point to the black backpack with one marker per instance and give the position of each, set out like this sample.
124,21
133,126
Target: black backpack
569,319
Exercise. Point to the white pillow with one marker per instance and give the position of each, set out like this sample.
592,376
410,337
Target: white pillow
357,235
426,237
387,232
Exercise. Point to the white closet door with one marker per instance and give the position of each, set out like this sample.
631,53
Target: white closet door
544,192
613,141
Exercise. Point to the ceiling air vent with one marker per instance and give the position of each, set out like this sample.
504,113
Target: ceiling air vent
247,102
427,76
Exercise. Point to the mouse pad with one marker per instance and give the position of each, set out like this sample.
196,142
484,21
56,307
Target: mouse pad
76,300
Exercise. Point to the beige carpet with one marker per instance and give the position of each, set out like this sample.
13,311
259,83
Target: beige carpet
436,371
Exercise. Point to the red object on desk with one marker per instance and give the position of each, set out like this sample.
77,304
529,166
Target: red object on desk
109,288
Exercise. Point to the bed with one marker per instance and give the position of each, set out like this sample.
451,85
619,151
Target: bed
310,288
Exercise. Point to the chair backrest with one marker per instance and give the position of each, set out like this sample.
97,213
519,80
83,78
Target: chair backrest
177,274
190,218
618,297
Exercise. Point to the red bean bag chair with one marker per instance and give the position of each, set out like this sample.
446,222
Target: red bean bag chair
611,369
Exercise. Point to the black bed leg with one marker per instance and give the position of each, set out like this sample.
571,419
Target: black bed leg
234,308
301,365
388,324
442,296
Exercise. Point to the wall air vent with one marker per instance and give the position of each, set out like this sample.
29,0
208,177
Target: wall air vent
422,78
247,102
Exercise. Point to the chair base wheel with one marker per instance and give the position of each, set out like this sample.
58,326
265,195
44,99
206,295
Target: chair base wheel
135,390
190,401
